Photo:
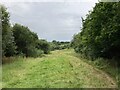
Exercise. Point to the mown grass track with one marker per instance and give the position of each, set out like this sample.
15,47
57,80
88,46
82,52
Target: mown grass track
60,69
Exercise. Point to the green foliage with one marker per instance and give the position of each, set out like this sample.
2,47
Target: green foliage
19,40
107,65
44,46
57,45
25,40
8,44
34,52
100,35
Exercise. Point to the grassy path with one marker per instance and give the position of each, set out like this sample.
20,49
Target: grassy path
58,69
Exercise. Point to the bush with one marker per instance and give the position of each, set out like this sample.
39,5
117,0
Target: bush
44,46
20,40
21,54
8,43
57,45
100,35
34,52
39,52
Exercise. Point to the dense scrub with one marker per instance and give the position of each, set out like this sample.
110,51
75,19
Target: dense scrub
8,43
20,40
100,35
57,45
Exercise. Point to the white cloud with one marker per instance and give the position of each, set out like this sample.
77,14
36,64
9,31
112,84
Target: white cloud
51,20
48,0
17,8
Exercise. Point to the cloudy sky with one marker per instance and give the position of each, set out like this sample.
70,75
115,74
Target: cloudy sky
51,20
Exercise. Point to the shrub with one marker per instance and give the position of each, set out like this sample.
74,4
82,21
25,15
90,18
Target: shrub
100,35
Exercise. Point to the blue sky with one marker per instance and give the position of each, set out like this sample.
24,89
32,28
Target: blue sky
51,20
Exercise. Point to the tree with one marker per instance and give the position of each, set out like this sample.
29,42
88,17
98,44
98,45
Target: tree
100,35
43,45
58,45
8,44
25,40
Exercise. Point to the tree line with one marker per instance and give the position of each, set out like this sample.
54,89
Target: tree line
59,45
100,33
20,40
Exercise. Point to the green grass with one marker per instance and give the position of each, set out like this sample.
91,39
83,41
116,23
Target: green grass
107,65
60,69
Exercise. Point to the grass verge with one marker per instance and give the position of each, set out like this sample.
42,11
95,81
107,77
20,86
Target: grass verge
107,65
60,69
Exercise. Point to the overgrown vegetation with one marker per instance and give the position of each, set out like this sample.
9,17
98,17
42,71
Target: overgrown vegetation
100,35
106,65
8,43
57,45
98,44
21,41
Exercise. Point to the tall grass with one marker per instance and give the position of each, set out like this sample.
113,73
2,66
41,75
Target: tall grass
107,65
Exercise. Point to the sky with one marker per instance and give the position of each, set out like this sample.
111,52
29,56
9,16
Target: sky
50,19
